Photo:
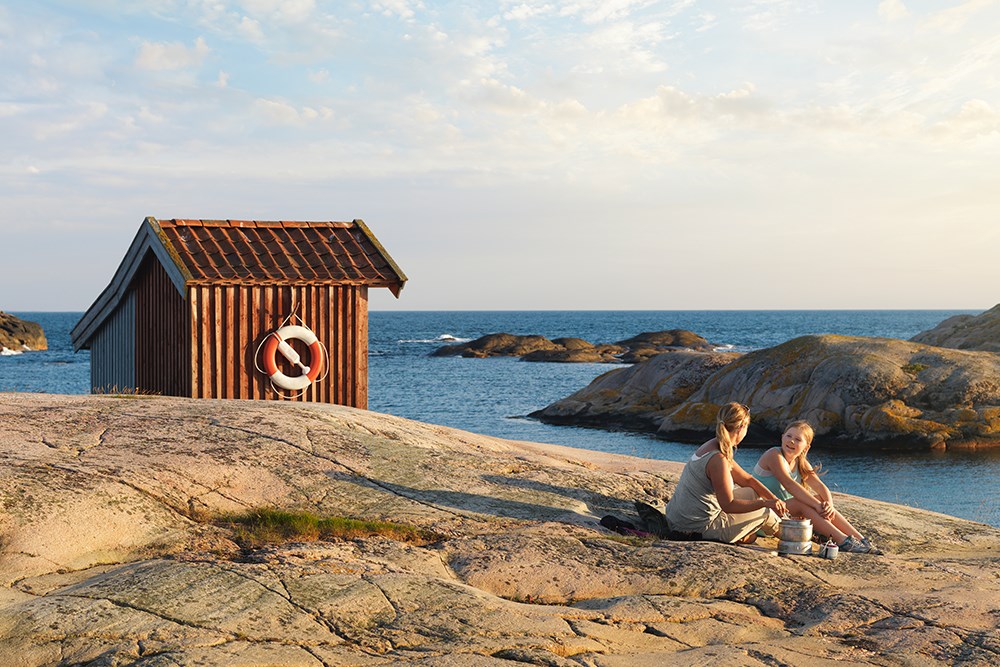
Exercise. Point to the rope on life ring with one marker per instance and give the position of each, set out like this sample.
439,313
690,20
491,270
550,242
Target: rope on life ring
275,342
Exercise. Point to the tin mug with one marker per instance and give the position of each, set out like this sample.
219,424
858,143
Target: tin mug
829,550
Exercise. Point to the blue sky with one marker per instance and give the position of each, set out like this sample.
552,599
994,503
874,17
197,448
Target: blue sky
571,154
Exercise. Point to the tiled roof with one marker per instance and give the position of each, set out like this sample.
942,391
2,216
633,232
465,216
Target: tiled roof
255,251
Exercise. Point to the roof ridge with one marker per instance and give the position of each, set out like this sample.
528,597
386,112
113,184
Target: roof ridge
209,222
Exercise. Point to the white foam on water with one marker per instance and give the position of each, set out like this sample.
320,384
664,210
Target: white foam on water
443,338
7,352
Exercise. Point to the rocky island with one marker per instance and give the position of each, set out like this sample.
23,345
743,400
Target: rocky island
118,547
855,391
966,332
569,350
17,335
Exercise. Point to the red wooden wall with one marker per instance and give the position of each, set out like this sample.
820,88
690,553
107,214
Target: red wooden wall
228,323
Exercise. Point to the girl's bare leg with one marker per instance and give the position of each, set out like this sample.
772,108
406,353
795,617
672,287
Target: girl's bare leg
820,524
845,526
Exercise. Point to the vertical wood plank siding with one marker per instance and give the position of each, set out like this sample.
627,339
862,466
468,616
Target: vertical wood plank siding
229,324
112,350
161,333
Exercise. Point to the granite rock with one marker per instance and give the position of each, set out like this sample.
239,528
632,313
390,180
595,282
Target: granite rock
855,391
109,554
966,332
20,335
637,397
576,350
873,392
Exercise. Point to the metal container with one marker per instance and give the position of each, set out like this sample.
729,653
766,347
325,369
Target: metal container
796,530
796,548
829,550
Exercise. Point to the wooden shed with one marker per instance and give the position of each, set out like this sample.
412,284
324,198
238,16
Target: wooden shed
195,305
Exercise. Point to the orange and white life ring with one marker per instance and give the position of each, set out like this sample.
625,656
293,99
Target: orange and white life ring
276,343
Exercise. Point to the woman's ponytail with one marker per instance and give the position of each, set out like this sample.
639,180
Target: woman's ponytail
731,417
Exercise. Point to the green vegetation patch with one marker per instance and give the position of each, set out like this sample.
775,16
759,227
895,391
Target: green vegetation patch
125,392
255,528
914,369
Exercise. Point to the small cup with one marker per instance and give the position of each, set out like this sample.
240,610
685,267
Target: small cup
829,550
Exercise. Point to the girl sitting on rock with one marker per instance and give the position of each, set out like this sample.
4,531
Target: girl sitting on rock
787,473
704,502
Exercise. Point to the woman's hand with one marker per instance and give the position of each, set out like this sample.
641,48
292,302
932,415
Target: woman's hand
826,509
777,505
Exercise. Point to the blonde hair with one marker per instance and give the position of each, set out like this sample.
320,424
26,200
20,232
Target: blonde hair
805,468
729,420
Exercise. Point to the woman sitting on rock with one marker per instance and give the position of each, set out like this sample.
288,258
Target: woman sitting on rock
787,473
704,501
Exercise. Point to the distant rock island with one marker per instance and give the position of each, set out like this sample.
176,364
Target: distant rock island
569,350
856,391
116,549
966,332
19,335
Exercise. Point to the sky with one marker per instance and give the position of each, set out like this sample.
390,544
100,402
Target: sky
566,154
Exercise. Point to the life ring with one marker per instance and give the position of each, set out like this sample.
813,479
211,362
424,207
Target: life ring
276,343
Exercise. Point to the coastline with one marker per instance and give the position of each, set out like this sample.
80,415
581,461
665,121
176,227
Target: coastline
490,396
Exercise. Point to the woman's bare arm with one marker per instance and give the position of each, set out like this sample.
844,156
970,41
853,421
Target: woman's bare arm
745,479
720,474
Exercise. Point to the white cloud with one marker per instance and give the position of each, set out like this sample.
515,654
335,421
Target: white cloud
523,12
250,29
954,19
71,120
9,109
707,21
773,15
171,55
601,11
976,118
288,11
893,10
148,116
622,47
223,79
499,96
319,76
279,112
404,9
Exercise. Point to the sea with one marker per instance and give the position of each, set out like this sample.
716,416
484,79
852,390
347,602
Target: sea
493,396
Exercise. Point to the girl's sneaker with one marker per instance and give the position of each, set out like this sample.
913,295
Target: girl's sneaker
872,549
851,545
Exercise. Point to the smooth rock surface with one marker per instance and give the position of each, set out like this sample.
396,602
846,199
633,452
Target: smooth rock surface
857,391
20,335
108,555
860,391
966,332
637,397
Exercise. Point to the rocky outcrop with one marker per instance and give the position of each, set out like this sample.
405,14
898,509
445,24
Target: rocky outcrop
966,332
855,391
109,554
538,348
640,396
496,345
20,335
648,345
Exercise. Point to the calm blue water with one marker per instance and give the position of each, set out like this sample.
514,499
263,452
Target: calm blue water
491,395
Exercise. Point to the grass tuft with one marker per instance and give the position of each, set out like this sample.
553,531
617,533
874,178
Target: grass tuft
262,526
124,392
